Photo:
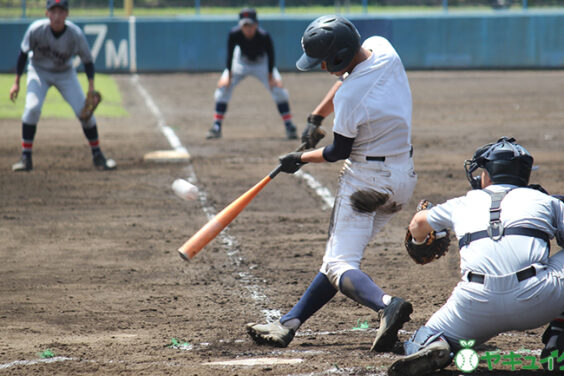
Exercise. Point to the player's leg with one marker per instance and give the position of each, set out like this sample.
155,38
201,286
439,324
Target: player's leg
280,333
553,336
69,86
37,87
279,95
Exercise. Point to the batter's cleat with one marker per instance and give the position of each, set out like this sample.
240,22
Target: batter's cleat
428,359
273,334
393,317
291,132
101,163
214,132
24,164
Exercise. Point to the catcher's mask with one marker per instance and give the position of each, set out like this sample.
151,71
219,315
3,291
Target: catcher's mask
506,162
332,39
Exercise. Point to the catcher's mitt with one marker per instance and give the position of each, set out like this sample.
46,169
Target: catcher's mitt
93,99
434,246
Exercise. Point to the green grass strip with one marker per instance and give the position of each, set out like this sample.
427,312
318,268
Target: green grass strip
55,106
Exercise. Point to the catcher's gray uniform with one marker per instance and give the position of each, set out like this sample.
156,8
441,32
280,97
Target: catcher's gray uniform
509,284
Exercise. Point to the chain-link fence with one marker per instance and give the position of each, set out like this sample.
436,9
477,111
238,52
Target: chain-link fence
141,8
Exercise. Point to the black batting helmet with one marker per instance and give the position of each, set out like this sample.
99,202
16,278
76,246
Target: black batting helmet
506,162
332,39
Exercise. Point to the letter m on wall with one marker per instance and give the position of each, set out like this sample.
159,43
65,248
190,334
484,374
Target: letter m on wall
119,58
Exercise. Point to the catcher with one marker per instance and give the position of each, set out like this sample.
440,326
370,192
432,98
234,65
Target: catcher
509,282
54,42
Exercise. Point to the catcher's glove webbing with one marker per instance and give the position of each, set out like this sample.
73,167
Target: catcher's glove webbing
434,246
93,99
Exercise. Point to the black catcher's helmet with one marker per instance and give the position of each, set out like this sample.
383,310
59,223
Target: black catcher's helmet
332,39
506,162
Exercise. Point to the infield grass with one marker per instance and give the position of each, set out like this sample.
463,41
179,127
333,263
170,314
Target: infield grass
55,106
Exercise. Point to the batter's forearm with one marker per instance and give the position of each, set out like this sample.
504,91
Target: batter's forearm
325,107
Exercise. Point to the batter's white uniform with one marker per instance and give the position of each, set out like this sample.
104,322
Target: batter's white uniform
51,65
502,303
373,106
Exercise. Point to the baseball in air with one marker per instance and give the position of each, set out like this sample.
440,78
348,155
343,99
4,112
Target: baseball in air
184,189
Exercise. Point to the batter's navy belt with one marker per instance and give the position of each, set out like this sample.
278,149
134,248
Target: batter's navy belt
521,275
525,231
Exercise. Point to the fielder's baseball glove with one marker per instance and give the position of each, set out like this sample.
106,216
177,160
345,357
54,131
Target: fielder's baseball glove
93,99
434,246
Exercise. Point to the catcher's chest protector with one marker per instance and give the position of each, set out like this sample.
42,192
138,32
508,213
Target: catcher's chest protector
495,230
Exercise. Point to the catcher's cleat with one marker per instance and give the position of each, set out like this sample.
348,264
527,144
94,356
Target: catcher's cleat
101,163
24,164
428,359
392,319
554,343
214,132
291,132
272,334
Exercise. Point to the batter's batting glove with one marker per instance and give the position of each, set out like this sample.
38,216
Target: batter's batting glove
291,162
312,134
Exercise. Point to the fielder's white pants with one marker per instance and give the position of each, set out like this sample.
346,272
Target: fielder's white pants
481,311
350,231
242,67
39,81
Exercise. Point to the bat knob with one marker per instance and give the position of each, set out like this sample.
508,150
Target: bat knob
184,257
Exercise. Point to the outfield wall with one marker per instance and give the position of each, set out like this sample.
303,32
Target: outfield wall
493,40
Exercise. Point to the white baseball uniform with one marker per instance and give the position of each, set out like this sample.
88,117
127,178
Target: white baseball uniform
373,106
499,301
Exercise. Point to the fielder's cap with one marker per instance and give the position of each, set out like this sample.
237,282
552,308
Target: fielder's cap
247,16
58,3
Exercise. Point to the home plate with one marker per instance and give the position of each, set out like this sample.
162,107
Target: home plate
254,362
167,156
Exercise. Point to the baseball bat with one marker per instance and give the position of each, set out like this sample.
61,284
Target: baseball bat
215,225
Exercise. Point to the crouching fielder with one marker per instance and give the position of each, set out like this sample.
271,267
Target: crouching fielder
54,42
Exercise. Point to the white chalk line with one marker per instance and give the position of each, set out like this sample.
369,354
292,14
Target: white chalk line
33,362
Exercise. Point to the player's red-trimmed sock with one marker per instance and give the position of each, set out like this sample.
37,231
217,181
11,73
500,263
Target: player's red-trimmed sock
28,135
92,137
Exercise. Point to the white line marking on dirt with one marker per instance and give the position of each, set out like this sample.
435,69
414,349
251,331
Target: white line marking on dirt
318,188
32,362
249,281
254,362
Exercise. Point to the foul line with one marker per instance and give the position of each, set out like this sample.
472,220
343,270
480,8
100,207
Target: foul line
249,281
32,362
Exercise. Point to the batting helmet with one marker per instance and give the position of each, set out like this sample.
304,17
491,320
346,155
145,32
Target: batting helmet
506,162
332,39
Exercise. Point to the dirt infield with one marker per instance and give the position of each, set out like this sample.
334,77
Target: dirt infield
89,268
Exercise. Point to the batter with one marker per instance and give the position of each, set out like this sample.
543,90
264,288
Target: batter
372,132
250,51
509,282
53,42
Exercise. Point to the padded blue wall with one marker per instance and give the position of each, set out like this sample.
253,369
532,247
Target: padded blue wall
493,40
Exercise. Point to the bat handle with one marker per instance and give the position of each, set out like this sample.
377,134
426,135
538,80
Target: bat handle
277,170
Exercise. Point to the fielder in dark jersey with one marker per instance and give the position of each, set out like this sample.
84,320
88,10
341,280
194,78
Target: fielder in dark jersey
54,42
250,52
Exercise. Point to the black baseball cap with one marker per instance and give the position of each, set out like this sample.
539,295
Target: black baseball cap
58,3
247,16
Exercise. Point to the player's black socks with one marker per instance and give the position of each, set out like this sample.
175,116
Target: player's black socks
92,136
28,135
284,109
220,110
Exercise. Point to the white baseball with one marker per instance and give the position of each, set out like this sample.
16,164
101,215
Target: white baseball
184,189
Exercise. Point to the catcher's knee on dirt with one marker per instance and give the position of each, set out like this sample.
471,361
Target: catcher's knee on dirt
422,338
279,94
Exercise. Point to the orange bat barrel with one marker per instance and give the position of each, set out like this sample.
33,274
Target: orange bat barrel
215,225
